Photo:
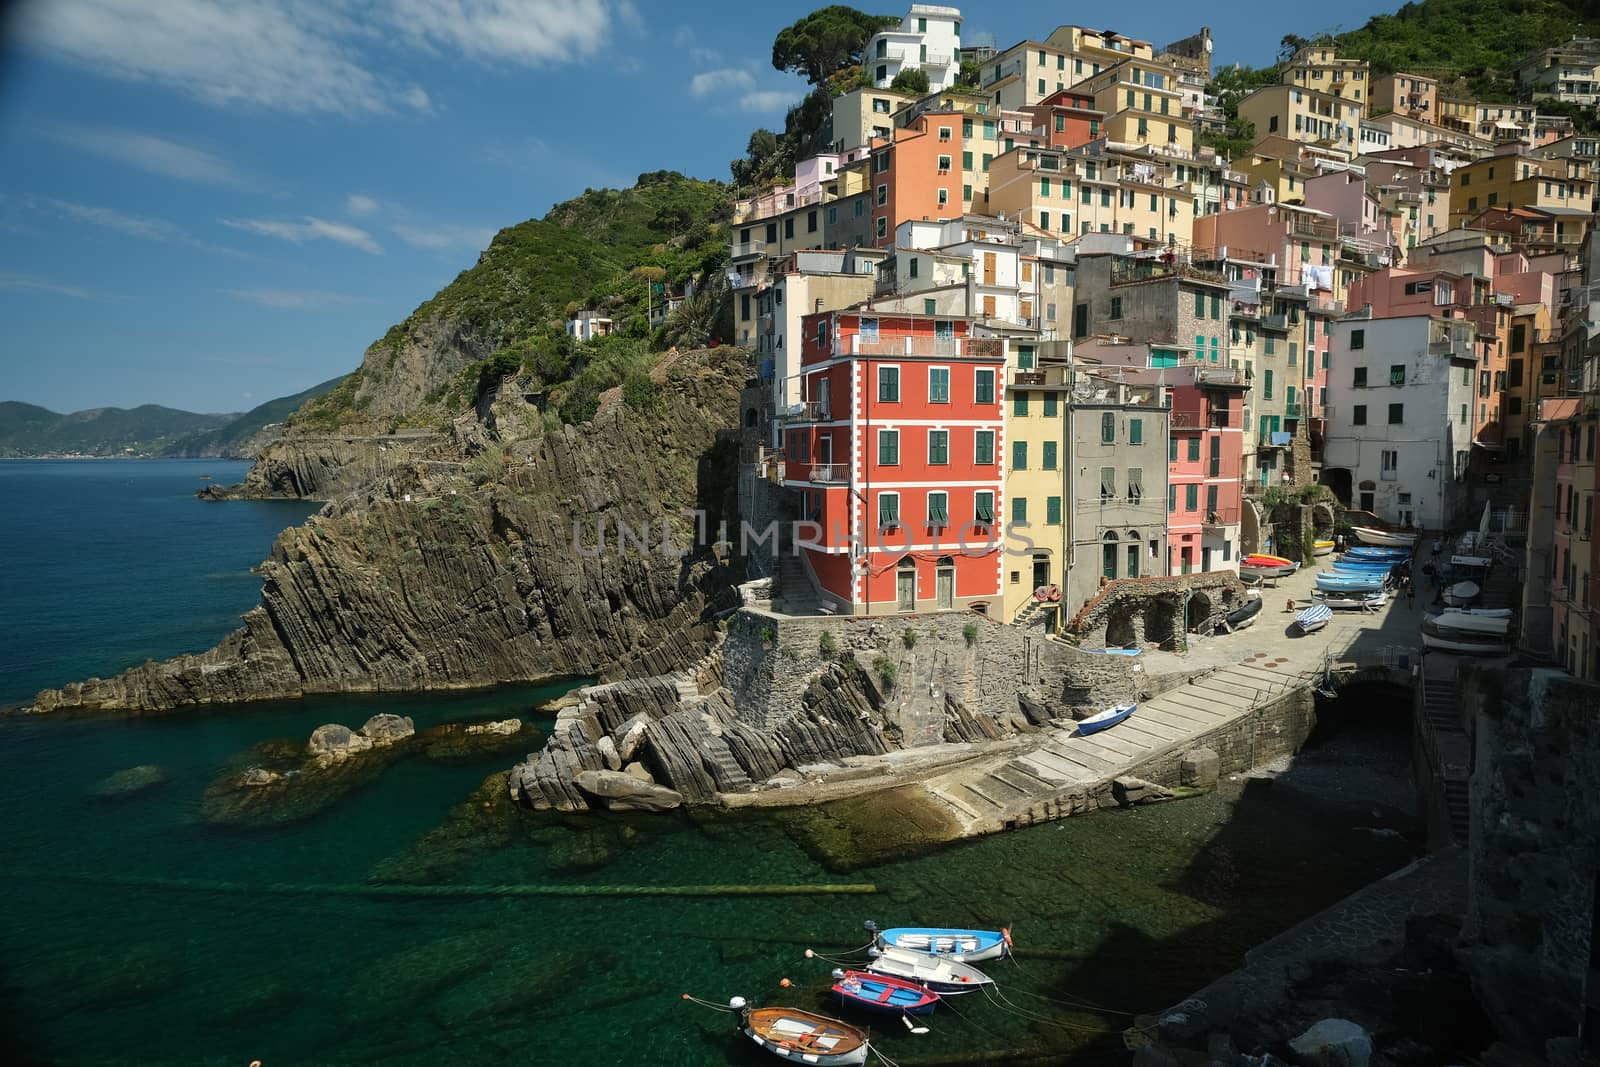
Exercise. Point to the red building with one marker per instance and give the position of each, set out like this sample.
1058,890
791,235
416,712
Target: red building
1204,466
1069,118
896,449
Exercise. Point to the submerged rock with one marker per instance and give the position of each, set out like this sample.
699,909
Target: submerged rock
129,782
334,742
1333,1043
387,729
503,728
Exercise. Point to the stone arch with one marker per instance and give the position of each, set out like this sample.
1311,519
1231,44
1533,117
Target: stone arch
1338,480
1249,528
750,418
1120,628
1322,520
1198,611
1161,620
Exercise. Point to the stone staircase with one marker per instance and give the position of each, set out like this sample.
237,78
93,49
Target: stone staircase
1447,740
795,594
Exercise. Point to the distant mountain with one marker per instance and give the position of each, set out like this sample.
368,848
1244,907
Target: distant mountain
29,430
240,438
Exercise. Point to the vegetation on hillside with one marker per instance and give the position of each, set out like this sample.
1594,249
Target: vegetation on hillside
30,430
234,439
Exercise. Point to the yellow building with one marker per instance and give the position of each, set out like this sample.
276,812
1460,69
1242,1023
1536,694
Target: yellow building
1142,105
1092,190
1284,166
1036,484
1412,95
1319,69
1304,115
862,114
1026,73
1513,179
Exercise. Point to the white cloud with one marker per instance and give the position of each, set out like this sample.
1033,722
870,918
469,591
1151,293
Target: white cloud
291,299
43,285
124,222
687,43
312,229
766,100
358,204
158,155
716,81
305,56
443,238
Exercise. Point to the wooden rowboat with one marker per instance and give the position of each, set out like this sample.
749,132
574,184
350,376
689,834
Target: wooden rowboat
884,994
806,1037
1372,536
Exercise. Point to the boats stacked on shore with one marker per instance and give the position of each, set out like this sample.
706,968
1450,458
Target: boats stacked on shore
908,971
1478,632
1262,566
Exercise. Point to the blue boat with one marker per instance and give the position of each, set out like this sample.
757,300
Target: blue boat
1105,720
968,946
1373,552
1111,651
1314,618
1350,583
884,994
1379,569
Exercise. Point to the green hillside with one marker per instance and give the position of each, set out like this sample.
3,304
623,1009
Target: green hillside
235,438
29,430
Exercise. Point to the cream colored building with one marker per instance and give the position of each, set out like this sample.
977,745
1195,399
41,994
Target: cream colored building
1412,95
1319,69
1142,105
1304,115
1087,190
862,114
1026,73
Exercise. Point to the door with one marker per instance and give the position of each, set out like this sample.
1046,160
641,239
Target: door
988,268
1041,571
946,579
905,588
988,307
825,457
1205,558
1366,502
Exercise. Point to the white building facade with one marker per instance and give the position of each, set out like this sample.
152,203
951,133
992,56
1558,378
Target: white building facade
927,39
1400,416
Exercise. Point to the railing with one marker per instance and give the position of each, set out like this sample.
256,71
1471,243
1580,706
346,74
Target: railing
829,473
1183,420
905,346
809,411
747,249
1275,322
1300,226
1027,377
1144,270
1224,515
1218,420
1291,411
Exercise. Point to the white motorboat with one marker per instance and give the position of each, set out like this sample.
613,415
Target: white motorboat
1447,640
1346,601
940,974
1496,613
1462,622
1461,594
1370,535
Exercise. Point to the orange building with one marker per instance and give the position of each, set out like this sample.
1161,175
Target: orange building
917,175
1068,118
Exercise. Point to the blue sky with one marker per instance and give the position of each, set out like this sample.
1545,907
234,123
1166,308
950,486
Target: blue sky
210,203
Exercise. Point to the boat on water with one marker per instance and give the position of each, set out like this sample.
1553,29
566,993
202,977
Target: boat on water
942,975
1374,552
1313,618
1261,559
806,1037
883,994
1322,548
1371,535
1349,583
1105,720
967,946
1446,639
1461,594
1245,613
1346,601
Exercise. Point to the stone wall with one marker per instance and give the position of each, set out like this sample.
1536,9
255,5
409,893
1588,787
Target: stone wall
1535,849
1149,612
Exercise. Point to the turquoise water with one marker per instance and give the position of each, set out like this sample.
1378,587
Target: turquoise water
136,932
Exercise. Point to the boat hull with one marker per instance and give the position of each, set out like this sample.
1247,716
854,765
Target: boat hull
1446,640
1313,618
805,1037
1256,559
943,976
965,946
1247,571
1245,614
1367,552
1461,594
1347,601
1322,548
1105,720
1349,584
884,995
1383,538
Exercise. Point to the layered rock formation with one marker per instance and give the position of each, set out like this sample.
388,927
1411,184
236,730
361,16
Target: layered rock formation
425,580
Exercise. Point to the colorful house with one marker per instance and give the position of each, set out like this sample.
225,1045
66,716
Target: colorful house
895,449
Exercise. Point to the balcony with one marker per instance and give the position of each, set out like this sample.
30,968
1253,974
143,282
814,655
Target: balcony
1129,272
1028,377
1224,515
747,250
829,473
1291,411
809,411
1275,322
866,345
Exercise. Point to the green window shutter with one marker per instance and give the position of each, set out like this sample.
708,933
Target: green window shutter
1191,497
929,306
1194,450
1050,402
938,447
1266,389
966,157
983,387
1136,431
1019,455
888,509
983,447
1172,450
1052,510
1108,428
938,509
1019,402
983,507
1050,455
1019,509
1172,498
888,448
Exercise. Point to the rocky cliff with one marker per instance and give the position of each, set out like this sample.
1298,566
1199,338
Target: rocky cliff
442,573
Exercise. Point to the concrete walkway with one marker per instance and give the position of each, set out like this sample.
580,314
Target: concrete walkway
1250,669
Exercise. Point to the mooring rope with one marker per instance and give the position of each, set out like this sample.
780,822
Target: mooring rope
1000,1001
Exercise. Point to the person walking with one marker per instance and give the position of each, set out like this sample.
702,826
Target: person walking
1411,592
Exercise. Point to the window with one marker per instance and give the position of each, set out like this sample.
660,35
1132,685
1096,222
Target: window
913,266
1135,484
1211,500
1397,374
1108,428
1216,301
1108,483
1050,402
888,509
888,448
1358,415
1049,462
1019,455
1390,460
1194,450
1019,509
1136,431
811,221
1359,377
983,387
880,105
888,377
1199,305
944,197
938,385
930,306
1266,389
983,447
1172,498
788,228
944,331
883,195
939,509
1019,403
1116,307
983,507
1358,339
1294,354
1052,510
938,447
1271,346
1191,497
833,214
1397,414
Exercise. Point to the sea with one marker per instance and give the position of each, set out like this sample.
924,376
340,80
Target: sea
408,923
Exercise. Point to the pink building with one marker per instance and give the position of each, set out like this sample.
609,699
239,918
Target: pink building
1299,238
1205,462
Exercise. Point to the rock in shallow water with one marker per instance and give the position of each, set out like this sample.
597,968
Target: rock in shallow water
624,792
388,729
129,782
1333,1043
333,742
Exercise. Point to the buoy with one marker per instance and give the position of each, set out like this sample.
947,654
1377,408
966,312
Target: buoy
838,972
810,954
255,1063
737,1003
686,996
785,983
